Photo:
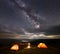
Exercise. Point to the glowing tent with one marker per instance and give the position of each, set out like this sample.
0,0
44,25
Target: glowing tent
15,47
42,45
29,45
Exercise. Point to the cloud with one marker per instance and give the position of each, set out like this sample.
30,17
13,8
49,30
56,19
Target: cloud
28,36
8,30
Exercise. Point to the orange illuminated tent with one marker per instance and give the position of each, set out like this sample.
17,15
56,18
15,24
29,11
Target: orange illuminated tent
15,47
29,45
42,45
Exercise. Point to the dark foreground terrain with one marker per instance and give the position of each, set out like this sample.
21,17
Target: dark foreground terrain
32,51
53,47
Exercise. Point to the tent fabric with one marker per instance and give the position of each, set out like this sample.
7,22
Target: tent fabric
42,45
15,47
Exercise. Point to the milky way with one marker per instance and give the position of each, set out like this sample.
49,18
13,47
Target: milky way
31,16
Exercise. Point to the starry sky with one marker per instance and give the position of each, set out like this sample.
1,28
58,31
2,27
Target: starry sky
28,16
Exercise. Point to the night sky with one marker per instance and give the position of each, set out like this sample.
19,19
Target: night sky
28,16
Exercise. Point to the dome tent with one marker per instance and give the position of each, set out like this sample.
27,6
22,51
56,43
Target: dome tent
42,45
